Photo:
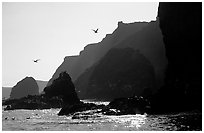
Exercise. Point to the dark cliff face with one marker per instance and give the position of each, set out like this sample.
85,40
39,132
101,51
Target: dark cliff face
25,87
181,26
120,73
149,41
92,53
63,86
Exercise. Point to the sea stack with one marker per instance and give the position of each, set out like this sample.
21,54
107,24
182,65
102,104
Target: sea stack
64,87
25,87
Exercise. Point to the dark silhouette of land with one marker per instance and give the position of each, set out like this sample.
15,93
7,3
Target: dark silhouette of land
120,62
25,87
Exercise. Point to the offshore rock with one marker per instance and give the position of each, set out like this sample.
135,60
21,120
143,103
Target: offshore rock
25,87
63,86
126,106
80,107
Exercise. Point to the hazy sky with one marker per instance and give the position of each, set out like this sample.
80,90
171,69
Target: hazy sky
51,31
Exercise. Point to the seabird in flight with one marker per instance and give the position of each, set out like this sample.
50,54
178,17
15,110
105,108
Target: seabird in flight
95,31
36,61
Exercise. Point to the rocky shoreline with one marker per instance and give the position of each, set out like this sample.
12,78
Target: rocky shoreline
121,106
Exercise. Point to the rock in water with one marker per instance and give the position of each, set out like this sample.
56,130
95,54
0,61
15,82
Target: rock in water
125,106
63,86
25,87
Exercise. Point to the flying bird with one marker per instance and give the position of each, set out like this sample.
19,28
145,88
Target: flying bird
36,61
95,31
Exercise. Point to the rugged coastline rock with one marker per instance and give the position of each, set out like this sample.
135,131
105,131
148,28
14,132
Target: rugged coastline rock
25,87
126,106
181,26
33,102
61,94
120,73
64,87
143,36
76,65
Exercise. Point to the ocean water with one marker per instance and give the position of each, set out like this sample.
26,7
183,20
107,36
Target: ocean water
48,120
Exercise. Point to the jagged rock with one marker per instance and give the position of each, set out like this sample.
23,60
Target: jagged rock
25,87
120,106
63,86
120,73
125,106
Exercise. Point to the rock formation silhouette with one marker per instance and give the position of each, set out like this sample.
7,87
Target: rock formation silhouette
63,86
143,36
25,87
120,73
181,26
92,53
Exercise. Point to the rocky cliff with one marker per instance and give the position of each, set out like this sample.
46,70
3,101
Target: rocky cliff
92,53
25,87
122,72
149,41
181,26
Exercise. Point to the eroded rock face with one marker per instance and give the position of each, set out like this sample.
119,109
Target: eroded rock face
25,87
63,86
181,26
144,36
120,73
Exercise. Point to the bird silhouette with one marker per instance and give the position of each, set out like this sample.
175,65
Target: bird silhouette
36,61
95,31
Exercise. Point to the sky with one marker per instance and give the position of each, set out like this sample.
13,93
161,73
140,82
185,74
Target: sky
49,31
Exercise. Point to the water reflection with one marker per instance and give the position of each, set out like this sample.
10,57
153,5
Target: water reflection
129,120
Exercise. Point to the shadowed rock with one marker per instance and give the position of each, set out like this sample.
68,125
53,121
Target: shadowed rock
25,87
63,86
125,106
122,72
181,26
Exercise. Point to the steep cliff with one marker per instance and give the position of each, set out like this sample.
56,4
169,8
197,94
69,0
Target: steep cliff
181,26
76,65
149,41
120,73
25,87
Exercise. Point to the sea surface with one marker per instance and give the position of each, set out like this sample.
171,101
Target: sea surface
48,120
